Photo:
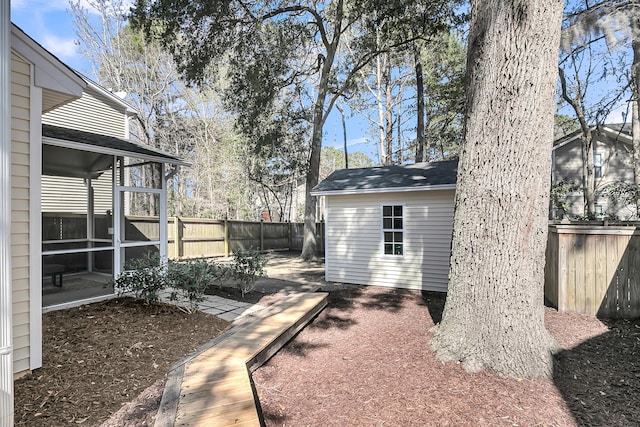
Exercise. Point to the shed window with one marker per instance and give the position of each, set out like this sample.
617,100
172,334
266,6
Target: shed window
393,229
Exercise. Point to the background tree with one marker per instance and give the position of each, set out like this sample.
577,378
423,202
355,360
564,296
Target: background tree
427,89
297,45
494,314
608,28
189,122
444,60
580,69
332,159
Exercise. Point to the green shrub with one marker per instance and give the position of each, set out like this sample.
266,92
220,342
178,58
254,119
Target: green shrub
143,277
247,266
189,280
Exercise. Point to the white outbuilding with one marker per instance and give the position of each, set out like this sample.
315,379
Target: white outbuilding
390,225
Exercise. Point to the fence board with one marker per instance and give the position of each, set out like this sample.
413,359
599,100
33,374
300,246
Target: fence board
601,279
623,276
571,272
634,275
563,273
190,237
594,270
612,274
589,267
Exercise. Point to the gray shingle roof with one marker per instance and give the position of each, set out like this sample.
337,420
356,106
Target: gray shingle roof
414,177
93,139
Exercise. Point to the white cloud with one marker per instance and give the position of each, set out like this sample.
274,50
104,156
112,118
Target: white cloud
63,48
44,6
40,5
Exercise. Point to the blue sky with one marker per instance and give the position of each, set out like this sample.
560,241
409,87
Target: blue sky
49,23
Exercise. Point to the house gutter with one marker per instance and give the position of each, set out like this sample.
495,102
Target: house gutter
381,190
6,313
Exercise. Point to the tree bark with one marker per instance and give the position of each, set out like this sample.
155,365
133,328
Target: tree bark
635,110
586,144
417,66
344,135
388,116
309,243
494,314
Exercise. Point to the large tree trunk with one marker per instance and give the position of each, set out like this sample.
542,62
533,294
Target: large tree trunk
309,243
494,314
388,113
635,110
417,66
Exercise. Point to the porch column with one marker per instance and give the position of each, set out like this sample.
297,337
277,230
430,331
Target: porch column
91,232
117,218
164,236
6,313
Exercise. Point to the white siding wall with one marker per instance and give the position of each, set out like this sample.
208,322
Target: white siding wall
93,112
69,194
20,113
354,251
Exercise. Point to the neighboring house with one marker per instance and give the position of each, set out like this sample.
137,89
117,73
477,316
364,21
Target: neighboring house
99,111
83,137
390,225
613,161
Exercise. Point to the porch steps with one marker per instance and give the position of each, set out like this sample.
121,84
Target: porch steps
213,387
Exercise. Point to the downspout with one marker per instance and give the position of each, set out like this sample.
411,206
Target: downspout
6,312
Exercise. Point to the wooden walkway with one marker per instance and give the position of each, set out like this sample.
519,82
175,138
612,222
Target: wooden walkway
213,388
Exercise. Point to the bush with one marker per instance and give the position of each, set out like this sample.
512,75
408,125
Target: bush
189,280
143,277
247,266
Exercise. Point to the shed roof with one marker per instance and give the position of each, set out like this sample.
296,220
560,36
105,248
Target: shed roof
419,176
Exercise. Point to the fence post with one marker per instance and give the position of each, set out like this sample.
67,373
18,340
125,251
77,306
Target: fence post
261,235
226,237
290,235
177,237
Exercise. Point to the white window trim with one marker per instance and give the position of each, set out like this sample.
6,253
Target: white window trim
403,230
601,166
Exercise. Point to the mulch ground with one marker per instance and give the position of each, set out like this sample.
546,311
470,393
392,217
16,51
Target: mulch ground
364,361
99,357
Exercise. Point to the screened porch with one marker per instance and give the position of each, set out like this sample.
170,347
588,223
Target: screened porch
103,204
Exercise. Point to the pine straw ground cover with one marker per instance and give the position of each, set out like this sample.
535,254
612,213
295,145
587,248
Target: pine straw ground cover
98,357
364,361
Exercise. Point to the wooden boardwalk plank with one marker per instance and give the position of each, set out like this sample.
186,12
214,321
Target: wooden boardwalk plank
216,387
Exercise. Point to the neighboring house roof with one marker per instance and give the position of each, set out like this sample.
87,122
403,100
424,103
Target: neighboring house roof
59,82
621,131
100,145
419,176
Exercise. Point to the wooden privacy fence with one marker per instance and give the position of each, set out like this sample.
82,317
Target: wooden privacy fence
187,237
197,237
594,270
